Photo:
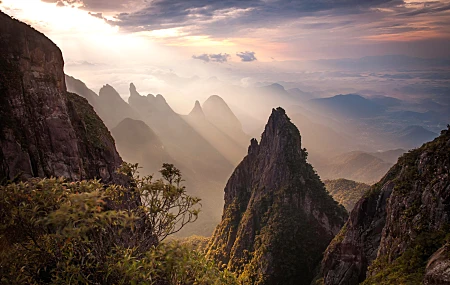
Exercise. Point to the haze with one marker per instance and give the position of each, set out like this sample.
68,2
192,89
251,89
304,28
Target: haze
363,81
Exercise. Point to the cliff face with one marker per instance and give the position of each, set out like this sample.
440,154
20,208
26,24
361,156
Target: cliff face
396,234
46,131
278,217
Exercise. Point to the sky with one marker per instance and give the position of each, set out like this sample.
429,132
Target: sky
115,41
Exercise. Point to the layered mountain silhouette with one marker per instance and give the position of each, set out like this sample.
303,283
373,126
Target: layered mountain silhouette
222,129
278,218
350,105
108,104
205,145
397,232
357,165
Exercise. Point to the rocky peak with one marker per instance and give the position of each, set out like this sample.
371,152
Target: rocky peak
107,91
396,233
133,91
44,130
197,110
278,217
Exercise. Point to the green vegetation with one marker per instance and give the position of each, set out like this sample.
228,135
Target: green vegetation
53,231
94,129
346,192
408,268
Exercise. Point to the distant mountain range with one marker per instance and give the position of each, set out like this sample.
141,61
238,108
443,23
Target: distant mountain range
205,145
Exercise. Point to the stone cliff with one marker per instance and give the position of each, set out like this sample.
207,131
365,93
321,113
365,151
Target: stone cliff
398,232
46,131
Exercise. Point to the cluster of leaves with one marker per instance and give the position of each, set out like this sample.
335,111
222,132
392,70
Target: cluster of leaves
57,232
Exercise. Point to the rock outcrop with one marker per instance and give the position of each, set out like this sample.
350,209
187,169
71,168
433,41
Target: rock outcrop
278,218
44,130
396,234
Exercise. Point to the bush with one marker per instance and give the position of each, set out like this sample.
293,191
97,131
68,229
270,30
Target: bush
57,232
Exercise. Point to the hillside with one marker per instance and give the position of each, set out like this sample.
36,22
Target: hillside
346,192
358,166
397,233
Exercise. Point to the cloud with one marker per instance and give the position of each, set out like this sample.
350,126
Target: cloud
219,57
203,57
247,56
97,15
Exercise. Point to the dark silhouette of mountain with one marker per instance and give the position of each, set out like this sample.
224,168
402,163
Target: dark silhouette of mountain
386,101
397,233
108,104
358,166
349,105
206,168
79,87
137,143
346,192
45,130
300,95
278,218
413,136
390,156
114,108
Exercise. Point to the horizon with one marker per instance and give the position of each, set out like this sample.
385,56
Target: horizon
160,45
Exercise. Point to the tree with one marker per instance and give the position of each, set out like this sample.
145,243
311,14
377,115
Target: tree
53,231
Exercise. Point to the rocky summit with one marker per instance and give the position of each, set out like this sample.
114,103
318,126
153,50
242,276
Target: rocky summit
44,130
278,218
398,232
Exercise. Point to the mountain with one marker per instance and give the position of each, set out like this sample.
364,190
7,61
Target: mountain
204,167
45,130
227,145
346,192
387,102
349,106
319,139
398,232
413,136
390,156
136,142
109,105
220,115
113,108
277,218
356,165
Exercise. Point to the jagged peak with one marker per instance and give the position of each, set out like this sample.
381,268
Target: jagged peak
197,111
133,91
253,147
109,91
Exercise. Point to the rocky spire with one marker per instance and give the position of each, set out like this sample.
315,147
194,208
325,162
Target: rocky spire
278,217
197,110
133,91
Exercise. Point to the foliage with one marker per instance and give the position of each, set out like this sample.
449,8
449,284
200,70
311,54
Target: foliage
57,232
409,268
346,192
